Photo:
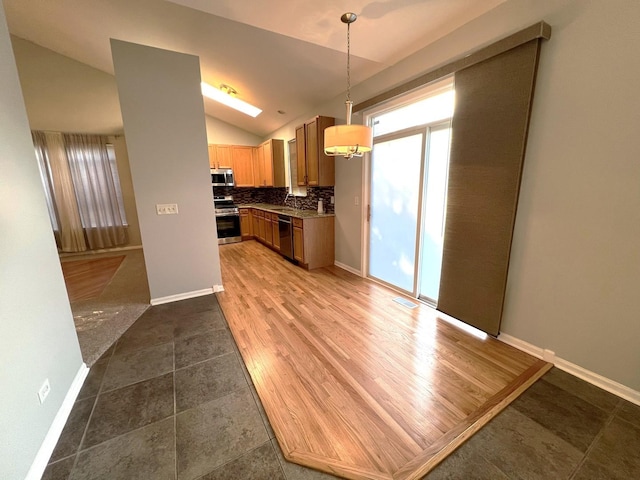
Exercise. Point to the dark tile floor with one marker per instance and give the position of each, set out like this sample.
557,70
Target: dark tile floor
173,400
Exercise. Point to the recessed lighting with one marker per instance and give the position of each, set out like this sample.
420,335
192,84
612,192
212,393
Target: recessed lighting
225,96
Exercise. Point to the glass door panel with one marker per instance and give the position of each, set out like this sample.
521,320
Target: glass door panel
395,200
433,213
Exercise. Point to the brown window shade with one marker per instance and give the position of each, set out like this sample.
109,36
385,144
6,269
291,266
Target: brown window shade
489,132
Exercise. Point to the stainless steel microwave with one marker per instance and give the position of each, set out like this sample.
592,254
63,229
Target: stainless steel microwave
222,177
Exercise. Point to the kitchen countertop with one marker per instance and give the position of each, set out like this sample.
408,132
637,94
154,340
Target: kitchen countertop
289,211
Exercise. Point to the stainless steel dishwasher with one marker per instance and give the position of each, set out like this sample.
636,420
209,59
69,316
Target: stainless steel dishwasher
286,236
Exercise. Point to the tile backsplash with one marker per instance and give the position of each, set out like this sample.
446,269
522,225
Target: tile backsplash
277,196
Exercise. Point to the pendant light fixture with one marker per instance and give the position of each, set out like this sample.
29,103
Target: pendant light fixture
348,140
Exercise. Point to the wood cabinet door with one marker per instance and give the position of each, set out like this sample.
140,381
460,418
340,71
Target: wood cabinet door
259,165
268,229
213,156
242,159
255,224
301,156
245,223
298,244
261,233
311,141
268,164
276,232
223,153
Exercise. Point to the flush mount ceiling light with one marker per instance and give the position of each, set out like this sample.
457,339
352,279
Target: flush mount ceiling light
226,95
348,140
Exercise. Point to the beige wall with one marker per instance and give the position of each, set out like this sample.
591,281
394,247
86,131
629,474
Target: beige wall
575,263
167,144
225,134
64,95
38,339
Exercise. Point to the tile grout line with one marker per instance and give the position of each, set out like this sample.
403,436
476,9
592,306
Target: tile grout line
93,409
595,440
175,416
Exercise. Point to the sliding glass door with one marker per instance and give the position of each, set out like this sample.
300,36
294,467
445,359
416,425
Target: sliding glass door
433,213
408,185
396,172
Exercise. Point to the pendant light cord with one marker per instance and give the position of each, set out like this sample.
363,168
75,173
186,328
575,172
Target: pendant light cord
348,62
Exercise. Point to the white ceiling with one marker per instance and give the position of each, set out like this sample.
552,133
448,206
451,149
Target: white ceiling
284,55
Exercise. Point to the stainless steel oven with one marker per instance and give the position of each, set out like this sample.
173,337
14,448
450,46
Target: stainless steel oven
227,220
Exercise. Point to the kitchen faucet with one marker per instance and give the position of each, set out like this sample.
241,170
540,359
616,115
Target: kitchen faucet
295,205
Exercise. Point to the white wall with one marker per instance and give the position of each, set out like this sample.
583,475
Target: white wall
575,263
164,124
38,338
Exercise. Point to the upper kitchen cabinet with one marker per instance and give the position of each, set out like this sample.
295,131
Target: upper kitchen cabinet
314,167
268,167
220,156
242,159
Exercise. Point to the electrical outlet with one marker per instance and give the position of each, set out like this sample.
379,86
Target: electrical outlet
167,208
44,391
332,199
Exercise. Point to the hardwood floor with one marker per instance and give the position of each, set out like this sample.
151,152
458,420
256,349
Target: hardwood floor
88,278
353,383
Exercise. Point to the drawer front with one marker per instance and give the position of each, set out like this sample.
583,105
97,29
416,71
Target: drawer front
297,222
274,217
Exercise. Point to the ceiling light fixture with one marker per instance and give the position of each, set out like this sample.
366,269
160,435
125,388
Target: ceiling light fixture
226,95
348,140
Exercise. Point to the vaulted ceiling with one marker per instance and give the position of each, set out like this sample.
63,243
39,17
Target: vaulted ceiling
280,55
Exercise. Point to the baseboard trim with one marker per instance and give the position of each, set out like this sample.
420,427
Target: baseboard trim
218,288
605,383
181,296
55,430
348,268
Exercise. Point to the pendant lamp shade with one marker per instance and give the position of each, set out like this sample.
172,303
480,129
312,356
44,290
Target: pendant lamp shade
348,140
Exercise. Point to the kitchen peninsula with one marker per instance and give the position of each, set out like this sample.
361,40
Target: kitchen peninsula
311,234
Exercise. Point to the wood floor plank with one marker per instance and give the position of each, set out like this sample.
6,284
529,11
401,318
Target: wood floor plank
353,383
88,278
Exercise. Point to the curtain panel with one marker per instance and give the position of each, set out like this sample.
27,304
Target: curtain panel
82,188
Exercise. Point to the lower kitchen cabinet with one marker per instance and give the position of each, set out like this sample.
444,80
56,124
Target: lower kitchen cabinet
255,225
268,229
313,237
275,227
261,234
313,241
246,220
298,240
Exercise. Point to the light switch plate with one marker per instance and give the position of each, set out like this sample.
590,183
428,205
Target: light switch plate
167,208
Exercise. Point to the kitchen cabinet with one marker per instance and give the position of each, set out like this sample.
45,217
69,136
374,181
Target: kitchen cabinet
220,156
314,168
268,168
242,160
313,241
246,220
261,233
276,231
268,229
255,225
298,240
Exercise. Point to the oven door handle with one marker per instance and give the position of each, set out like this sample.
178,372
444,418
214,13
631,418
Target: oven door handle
232,214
